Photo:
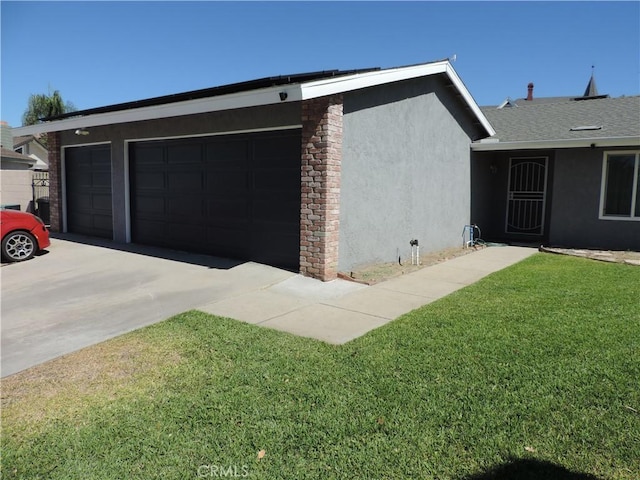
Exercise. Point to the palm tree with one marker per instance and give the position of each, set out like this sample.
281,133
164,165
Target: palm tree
56,105
45,106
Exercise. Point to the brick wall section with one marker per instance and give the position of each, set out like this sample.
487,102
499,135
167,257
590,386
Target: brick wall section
320,205
55,181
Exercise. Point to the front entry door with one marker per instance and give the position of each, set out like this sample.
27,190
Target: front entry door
526,195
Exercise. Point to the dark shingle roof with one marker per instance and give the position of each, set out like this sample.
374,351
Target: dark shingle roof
215,91
554,120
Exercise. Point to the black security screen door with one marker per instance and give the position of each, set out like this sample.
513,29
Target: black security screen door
526,195
234,196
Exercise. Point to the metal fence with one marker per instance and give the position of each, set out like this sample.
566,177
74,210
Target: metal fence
40,188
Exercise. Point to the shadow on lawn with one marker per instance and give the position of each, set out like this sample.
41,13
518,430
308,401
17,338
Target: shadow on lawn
529,469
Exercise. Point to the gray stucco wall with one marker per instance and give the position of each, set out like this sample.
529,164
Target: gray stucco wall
405,171
576,204
266,117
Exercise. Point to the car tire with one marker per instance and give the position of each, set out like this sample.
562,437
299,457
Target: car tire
19,246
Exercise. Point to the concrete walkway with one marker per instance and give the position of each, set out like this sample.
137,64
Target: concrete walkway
85,291
339,311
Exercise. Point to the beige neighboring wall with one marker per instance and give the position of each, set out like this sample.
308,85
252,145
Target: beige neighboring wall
15,188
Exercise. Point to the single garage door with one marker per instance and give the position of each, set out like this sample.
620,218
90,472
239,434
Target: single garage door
88,190
234,196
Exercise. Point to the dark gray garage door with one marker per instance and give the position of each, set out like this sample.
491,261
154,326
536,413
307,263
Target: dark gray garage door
88,188
235,196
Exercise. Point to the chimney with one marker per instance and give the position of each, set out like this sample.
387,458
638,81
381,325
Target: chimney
530,92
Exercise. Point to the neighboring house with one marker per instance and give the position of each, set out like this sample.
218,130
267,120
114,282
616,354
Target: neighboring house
32,147
562,171
15,174
12,160
315,172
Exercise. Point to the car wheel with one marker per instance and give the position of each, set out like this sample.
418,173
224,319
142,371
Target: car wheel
18,246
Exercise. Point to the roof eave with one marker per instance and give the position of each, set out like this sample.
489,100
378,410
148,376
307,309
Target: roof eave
475,108
496,146
265,96
14,157
330,86
250,98
324,87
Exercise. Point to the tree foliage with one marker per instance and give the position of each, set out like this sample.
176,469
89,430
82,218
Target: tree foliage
44,106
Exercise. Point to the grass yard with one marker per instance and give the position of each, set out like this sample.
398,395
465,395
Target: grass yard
533,372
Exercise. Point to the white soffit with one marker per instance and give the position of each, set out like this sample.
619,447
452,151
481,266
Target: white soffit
265,96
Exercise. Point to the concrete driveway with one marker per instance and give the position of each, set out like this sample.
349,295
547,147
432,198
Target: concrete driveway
84,291
78,294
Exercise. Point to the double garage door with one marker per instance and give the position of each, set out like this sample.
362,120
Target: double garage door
234,196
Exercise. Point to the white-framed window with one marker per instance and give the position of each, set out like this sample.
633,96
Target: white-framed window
620,192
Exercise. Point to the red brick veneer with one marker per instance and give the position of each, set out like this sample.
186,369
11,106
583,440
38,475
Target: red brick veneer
320,203
55,181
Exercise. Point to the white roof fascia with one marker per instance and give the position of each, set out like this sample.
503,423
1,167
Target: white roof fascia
266,96
469,99
39,162
20,161
561,143
250,98
331,86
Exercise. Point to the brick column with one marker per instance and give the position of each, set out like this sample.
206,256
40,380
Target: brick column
320,204
55,181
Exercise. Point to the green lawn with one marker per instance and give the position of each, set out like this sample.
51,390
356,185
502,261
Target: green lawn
533,372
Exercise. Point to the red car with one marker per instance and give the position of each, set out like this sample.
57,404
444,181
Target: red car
23,234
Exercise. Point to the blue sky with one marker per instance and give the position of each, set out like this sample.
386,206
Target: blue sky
101,53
